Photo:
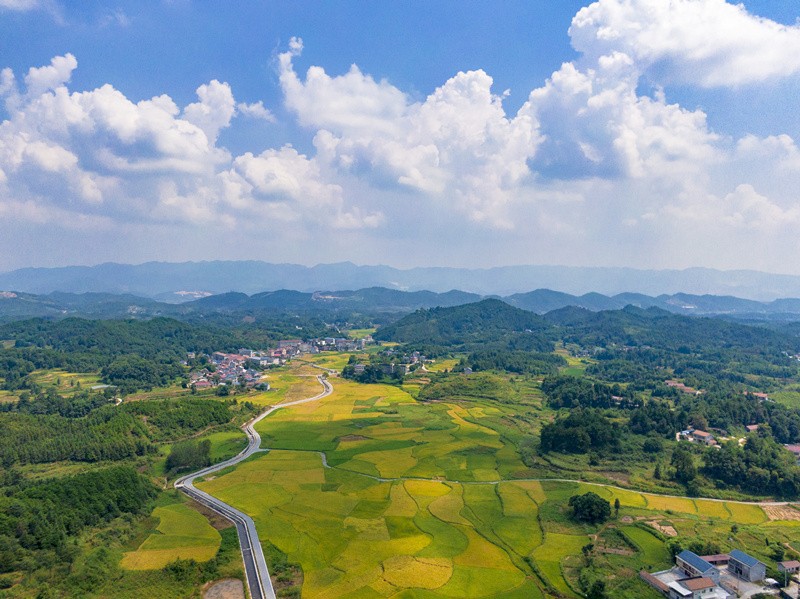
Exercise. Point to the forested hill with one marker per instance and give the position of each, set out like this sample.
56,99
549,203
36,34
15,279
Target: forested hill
492,323
147,338
653,327
488,321
129,353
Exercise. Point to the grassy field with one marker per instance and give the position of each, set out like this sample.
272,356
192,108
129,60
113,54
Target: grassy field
335,361
67,383
360,333
575,366
789,398
64,381
442,364
182,533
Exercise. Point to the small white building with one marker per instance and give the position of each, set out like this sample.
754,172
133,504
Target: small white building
696,588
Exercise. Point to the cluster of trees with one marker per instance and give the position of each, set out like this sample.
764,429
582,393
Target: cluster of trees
107,433
489,324
581,431
761,466
187,456
37,520
657,417
175,418
377,371
132,354
611,368
674,334
724,408
131,372
516,361
49,401
590,507
574,392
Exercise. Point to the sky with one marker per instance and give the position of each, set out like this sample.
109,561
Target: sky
646,133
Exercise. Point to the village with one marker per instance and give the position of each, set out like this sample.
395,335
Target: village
244,367
723,576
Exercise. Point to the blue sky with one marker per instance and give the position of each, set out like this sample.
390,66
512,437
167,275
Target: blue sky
646,133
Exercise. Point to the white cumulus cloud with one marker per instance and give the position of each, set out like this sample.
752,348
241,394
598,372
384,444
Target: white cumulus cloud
458,146
99,154
699,42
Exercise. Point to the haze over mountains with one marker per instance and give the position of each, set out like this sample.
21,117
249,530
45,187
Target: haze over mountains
177,282
375,301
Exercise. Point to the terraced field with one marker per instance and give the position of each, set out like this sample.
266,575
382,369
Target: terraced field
377,495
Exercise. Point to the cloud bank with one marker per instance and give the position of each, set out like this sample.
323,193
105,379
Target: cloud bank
598,166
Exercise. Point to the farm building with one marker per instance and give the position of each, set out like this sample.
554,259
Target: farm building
719,559
696,588
746,566
694,566
790,567
703,437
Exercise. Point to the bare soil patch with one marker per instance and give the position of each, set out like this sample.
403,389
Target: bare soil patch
230,588
781,512
618,477
353,438
663,529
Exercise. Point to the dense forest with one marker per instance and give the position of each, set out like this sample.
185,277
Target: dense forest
133,354
106,433
37,519
471,327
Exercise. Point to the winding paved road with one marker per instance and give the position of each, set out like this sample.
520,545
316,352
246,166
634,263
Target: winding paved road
255,566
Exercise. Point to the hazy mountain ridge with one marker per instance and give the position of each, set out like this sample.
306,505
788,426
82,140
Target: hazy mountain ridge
376,300
174,282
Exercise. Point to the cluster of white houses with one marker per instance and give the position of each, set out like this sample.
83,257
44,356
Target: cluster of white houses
723,576
229,369
234,369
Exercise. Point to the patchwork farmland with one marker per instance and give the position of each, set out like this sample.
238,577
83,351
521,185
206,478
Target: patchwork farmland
374,494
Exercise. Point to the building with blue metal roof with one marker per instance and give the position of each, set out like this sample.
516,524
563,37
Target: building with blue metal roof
693,566
746,566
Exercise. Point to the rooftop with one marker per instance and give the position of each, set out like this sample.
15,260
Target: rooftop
680,589
697,584
695,560
742,557
716,558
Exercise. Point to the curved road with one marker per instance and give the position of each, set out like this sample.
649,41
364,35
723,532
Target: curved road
255,566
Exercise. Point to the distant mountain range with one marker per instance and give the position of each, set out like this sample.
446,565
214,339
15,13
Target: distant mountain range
178,282
374,300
